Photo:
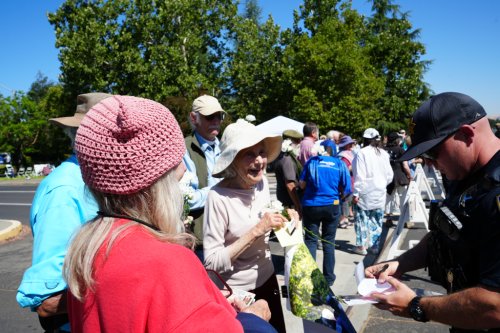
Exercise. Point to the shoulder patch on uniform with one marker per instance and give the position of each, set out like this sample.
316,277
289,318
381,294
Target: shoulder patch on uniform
498,202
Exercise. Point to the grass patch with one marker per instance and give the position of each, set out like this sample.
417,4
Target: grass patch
21,179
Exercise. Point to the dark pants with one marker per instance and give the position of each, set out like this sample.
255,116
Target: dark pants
51,324
199,252
328,217
270,291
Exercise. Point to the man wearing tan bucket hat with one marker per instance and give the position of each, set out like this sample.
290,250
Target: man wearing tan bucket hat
59,207
202,152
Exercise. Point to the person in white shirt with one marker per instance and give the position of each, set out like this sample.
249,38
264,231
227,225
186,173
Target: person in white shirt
372,173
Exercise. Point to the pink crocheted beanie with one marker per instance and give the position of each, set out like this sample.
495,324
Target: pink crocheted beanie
124,144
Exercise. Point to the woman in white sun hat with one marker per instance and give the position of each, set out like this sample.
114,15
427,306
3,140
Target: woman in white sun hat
235,230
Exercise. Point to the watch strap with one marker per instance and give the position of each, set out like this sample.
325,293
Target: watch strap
416,311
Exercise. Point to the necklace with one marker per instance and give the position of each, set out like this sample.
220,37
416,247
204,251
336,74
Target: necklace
107,214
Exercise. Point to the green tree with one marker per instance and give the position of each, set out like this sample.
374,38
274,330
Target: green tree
51,144
25,130
252,11
396,53
334,82
257,81
39,88
18,132
156,49
313,14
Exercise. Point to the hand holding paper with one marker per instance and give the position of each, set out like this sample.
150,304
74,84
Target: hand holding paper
367,286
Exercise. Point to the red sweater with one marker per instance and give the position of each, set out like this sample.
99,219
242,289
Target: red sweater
145,285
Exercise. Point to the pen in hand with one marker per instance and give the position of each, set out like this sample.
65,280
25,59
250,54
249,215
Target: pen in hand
383,269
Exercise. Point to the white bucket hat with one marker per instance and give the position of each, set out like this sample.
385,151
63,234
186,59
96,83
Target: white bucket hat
371,133
241,135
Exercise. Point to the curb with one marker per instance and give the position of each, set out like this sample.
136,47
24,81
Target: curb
9,229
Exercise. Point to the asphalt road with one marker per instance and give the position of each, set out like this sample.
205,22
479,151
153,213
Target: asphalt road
15,257
15,202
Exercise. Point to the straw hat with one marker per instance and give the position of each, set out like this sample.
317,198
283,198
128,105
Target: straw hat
241,135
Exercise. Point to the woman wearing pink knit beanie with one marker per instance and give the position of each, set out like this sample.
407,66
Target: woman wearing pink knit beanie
132,268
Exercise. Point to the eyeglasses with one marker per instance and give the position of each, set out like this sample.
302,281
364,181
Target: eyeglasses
224,288
219,115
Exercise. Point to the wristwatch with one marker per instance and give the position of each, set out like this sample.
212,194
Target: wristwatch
416,310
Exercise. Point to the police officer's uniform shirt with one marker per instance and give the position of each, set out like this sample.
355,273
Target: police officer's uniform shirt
477,205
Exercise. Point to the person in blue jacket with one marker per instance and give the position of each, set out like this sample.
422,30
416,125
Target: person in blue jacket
325,180
59,207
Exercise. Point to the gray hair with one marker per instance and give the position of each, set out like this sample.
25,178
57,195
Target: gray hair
229,172
70,133
333,135
191,123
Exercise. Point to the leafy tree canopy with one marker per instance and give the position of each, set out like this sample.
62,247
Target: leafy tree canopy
335,67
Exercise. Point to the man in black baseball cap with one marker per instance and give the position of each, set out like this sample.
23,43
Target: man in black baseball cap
449,121
462,250
439,117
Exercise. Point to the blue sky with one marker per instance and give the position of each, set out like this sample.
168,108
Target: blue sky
462,38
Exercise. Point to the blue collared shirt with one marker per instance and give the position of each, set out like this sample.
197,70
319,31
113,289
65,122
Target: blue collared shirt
212,152
60,206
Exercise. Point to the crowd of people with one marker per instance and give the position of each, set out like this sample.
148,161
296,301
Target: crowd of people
111,251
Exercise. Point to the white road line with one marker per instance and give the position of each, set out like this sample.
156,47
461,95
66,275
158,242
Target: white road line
14,204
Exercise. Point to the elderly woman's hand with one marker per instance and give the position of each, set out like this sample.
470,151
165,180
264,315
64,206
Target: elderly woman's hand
260,308
294,215
268,222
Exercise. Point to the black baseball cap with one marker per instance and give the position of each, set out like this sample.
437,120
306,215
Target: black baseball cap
393,136
439,117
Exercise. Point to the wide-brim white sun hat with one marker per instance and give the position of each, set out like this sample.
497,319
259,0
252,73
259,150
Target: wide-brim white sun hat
241,135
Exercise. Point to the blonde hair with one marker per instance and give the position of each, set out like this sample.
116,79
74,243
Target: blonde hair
160,205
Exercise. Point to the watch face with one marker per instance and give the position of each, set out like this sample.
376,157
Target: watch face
416,310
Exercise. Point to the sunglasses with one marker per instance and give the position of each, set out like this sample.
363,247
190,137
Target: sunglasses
430,154
224,288
219,115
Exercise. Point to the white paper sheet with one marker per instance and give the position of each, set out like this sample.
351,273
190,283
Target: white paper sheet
366,286
287,239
